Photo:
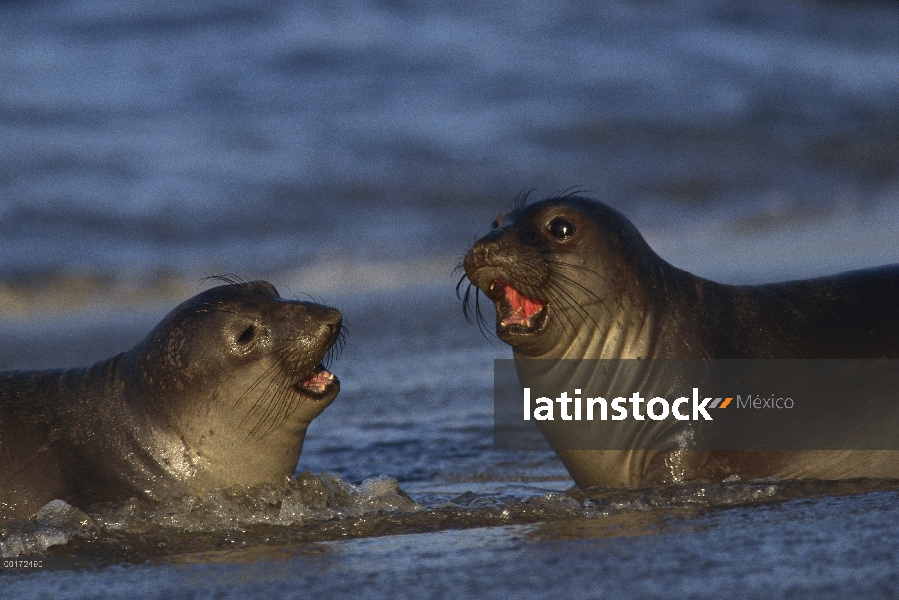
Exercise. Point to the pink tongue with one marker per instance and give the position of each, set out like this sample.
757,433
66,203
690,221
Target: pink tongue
319,379
523,308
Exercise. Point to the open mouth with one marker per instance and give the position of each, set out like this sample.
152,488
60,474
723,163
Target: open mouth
516,313
318,383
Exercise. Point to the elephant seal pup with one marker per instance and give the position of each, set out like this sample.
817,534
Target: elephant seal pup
219,394
571,278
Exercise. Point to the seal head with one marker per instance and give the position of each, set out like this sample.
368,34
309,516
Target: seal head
568,277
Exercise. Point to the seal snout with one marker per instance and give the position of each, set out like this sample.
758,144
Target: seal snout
506,265
322,325
319,383
334,326
492,250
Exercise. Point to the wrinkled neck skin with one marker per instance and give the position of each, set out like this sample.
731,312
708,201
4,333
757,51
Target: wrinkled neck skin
626,331
632,321
223,432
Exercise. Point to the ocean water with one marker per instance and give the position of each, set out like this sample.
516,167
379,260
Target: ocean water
353,151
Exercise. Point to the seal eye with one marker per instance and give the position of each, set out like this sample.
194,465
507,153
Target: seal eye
495,224
562,229
247,335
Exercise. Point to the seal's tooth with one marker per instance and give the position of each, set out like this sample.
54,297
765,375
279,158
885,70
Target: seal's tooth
319,379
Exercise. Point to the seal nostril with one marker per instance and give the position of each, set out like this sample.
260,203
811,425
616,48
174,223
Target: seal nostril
335,328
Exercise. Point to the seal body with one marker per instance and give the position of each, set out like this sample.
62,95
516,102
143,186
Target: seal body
219,394
571,278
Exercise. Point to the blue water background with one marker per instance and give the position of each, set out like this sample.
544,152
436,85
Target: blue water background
158,139
354,150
